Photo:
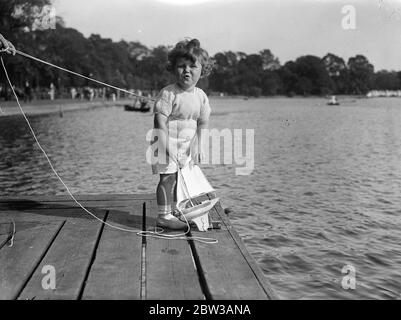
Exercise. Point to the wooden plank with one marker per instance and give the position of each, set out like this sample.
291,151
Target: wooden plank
45,205
70,255
226,272
46,215
218,213
170,270
116,269
3,240
19,261
81,197
6,230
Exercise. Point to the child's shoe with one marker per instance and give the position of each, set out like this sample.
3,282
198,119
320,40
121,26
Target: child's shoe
170,221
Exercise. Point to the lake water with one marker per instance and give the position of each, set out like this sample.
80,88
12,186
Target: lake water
325,192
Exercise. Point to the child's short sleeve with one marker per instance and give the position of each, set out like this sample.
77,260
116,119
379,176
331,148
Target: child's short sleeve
163,103
205,109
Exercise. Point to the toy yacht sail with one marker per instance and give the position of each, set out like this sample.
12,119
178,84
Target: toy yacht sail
192,183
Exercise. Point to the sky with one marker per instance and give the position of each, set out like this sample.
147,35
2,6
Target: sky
289,28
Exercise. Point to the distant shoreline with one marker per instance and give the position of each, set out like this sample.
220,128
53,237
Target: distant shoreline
43,107
345,96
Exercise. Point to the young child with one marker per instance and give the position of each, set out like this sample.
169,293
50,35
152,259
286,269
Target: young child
181,111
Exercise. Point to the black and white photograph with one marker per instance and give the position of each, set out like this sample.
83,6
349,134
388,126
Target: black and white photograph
200,155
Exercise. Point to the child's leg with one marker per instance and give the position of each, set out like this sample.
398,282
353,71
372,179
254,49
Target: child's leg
164,192
165,197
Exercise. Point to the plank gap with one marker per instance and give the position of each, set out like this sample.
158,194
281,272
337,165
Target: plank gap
28,278
143,255
93,257
7,236
201,273
199,270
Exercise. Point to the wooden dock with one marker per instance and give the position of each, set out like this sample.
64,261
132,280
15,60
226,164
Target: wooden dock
90,260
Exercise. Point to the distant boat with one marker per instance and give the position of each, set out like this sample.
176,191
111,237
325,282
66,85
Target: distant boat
333,101
144,107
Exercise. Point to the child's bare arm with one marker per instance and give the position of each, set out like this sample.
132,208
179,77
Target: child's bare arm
203,135
160,123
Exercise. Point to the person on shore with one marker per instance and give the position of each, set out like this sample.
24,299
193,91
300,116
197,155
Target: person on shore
52,91
181,111
6,46
73,93
27,92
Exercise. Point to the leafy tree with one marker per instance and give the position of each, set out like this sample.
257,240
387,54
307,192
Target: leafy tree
269,61
250,70
133,65
18,15
334,65
271,83
152,68
361,74
289,78
386,80
337,71
312,77
224,77
304,86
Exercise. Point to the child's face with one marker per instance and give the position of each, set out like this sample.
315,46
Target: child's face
187,73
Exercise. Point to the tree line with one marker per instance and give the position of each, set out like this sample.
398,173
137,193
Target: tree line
133,65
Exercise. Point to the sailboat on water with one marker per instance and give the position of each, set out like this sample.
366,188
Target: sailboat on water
333,101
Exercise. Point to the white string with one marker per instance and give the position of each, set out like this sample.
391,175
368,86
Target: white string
82,76
180,236
155,234
47,158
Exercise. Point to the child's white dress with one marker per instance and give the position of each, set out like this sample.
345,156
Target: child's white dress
184,111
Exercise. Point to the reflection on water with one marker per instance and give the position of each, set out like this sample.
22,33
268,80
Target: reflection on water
325,191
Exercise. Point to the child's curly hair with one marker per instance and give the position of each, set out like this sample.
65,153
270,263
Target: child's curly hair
190,49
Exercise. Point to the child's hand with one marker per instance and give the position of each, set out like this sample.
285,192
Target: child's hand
191,164
181,163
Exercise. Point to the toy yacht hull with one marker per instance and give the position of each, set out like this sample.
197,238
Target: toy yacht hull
191,184
199,214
